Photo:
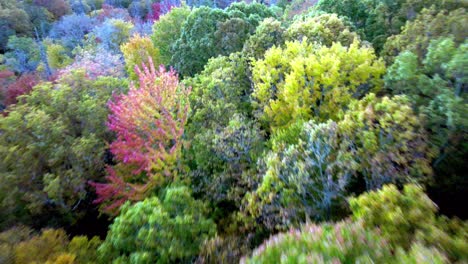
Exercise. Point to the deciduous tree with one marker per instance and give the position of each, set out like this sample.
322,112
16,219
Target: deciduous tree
149,124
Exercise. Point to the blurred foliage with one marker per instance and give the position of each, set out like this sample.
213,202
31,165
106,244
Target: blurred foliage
388,226
20,246
409,216
343,242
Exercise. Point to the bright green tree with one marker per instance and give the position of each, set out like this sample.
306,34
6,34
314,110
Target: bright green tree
57,56
158,231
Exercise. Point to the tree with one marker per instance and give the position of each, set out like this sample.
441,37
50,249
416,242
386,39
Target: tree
430,24
198,41
49,246
171,229
13,21
387,141
136,52
111,12
167,30
303,181
343,242
436,84
112,33
269,33
58,56
22,85
378,20
149,124
324,29
408,216
71,29
22,55
95,63
388,225
225,142
52,142
310,82
58,8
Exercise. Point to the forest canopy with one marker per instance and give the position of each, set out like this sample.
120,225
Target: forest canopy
222,131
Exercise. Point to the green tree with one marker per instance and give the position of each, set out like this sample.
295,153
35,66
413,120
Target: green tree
436,85
324,29
52,142
158,231
225,142
377,20
22,55
269,33
343,242
409,216
167,30
303,81
196,42
211,32
387,141
58,56
13,21
431,23
303,181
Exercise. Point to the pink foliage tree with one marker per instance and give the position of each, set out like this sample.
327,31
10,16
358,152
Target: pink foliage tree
149,123
98,62
160,8
109,11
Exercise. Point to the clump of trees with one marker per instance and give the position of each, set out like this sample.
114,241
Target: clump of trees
162,131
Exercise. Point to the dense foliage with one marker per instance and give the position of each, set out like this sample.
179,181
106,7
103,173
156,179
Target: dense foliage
222,131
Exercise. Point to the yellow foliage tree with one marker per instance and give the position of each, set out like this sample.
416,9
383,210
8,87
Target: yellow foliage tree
137,51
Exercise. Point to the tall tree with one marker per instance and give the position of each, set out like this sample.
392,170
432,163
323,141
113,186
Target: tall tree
149,124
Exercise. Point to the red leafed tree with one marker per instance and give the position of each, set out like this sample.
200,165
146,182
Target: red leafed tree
149,123
161,8
23,85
